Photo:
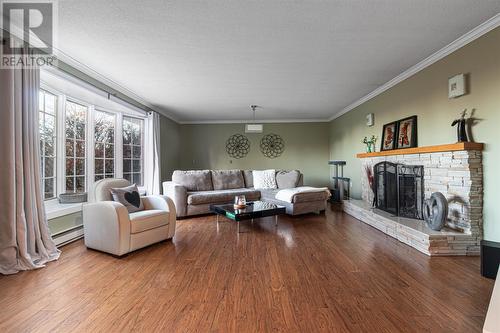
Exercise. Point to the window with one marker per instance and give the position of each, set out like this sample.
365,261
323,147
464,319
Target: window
75,134
133,150
47,122
81,143
104,145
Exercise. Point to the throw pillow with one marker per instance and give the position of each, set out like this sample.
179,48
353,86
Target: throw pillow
287,179
129,197
263,179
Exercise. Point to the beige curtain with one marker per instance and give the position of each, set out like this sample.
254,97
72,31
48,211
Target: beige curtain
25,241
153,157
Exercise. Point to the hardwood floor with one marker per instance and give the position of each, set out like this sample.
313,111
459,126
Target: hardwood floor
316,273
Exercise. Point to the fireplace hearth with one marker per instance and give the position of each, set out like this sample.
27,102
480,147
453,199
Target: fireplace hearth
399,189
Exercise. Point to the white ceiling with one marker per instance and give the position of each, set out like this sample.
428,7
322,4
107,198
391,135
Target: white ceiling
210,60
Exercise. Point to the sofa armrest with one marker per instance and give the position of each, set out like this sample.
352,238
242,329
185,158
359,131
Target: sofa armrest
178,194
106,227
162,202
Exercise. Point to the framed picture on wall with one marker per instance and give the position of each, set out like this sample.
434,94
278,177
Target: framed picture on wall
389,136
407,133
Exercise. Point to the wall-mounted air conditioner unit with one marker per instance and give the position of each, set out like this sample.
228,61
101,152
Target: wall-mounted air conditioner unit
254,128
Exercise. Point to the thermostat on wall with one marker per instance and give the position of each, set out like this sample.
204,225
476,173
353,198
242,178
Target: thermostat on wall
456,86
370,119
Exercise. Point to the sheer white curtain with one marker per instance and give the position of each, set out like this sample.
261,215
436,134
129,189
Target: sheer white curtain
25,241
153,155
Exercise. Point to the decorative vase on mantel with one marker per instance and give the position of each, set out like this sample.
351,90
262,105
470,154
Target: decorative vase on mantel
370,143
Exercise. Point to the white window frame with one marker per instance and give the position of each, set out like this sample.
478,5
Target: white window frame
42,156
88,131
115,154
89,141
143,148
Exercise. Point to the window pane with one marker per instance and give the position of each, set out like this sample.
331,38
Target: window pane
70,166
137,151
136,165
137,179
110,151
80,184
70,147
99,150
99,166
110,166
70,184
49,167
70,126
127,165
50,147
49,188
80,167
80,149
127,151
50,125
99,177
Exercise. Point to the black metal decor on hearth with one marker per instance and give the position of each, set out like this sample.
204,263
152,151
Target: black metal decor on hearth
237,146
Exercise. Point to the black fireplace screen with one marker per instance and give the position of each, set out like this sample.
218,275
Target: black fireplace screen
399,189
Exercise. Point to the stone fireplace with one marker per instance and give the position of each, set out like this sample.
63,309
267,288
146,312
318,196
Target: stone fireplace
403,178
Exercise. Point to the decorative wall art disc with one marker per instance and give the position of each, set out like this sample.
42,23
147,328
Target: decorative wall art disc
237,146
272,145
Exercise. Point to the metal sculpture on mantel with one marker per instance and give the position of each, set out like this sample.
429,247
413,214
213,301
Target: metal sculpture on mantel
461,127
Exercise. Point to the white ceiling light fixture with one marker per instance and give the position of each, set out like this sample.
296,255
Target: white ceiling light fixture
253,127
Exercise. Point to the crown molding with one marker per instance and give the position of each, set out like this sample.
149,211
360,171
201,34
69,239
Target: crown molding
251,121
460,42
112,84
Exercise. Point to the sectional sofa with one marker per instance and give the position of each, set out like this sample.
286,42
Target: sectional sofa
194,191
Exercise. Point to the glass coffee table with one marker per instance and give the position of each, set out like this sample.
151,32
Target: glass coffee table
253,210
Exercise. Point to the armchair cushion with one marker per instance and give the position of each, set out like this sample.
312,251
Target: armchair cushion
147,219
129,197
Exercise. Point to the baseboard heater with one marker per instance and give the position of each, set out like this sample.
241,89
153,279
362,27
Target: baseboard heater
69,235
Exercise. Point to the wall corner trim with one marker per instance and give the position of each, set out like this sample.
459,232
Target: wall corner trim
458,43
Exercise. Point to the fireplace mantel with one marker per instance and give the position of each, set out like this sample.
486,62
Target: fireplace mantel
428,149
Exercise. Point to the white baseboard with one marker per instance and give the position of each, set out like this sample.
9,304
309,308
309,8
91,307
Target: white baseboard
68,236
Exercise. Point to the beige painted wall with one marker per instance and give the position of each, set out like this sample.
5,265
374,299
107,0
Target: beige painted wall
306,149
425,94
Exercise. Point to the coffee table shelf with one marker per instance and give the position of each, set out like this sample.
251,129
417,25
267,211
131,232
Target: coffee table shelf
253,210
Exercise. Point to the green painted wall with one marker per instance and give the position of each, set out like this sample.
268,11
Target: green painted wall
306,149
170,147
425,94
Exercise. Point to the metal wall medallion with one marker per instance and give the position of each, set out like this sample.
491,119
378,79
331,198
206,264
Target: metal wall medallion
237,146
272,145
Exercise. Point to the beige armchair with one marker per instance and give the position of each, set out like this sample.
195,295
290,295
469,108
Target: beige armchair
109,227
